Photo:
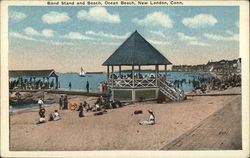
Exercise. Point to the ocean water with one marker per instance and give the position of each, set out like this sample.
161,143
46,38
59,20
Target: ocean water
28,106
79,83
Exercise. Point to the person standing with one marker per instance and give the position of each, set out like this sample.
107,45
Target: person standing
70,85
61,102
87,86
40,103
65,101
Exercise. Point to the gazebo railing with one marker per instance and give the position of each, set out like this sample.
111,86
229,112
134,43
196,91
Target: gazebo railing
138,83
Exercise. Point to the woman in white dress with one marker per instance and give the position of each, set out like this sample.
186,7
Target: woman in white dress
150,120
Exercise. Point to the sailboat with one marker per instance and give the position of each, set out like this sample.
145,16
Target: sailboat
82,73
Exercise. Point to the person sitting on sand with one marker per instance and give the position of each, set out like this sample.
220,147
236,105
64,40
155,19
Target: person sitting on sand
81,111
150,120
42,116
97,107
87,106
80,107
54,116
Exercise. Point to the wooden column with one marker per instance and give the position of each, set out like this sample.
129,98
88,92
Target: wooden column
133,76
165,72
120,69
112,75
108,74
156,74
139,67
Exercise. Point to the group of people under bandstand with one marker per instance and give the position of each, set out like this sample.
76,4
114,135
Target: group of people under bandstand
136,76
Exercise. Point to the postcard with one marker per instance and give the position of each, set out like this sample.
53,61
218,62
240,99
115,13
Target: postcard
124,78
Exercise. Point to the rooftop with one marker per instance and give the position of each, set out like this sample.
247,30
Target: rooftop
136,51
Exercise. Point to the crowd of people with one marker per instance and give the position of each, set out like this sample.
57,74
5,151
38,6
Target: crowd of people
225,82
31,83
99,107
210,82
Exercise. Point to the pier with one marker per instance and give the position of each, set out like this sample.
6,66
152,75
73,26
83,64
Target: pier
62,91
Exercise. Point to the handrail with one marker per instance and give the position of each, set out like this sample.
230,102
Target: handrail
173,92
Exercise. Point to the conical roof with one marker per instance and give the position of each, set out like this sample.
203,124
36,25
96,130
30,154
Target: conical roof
136,51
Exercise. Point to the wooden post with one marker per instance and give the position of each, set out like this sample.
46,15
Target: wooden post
156,75
133,76
108,74
120,69
165,72
112,75
139,67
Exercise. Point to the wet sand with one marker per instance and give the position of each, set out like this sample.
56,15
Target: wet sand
118,129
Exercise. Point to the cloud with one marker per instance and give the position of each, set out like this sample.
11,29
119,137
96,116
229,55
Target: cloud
234,37
107,35
58,43
111,43
198,43
200,20
55,17
17,16
156,42
155,19
184,37
48,33
18,35
192,40
77,35
45,32
98,14
30,31
159,33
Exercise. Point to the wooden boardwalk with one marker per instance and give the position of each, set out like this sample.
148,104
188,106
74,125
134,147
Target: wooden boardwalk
221,130
63,91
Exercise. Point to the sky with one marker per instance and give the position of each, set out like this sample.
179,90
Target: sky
66,38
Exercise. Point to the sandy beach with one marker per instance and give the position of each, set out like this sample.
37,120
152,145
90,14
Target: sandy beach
118,129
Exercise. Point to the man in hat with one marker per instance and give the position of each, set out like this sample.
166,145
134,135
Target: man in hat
150,120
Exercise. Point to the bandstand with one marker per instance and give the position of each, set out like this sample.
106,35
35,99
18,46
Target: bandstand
136,52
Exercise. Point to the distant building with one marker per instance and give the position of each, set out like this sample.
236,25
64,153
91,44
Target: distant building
222,67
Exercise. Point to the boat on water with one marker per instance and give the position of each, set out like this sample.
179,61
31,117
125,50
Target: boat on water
82,73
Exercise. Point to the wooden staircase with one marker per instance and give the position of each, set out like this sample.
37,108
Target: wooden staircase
171,91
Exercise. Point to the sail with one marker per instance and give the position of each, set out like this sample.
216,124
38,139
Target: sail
82,72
